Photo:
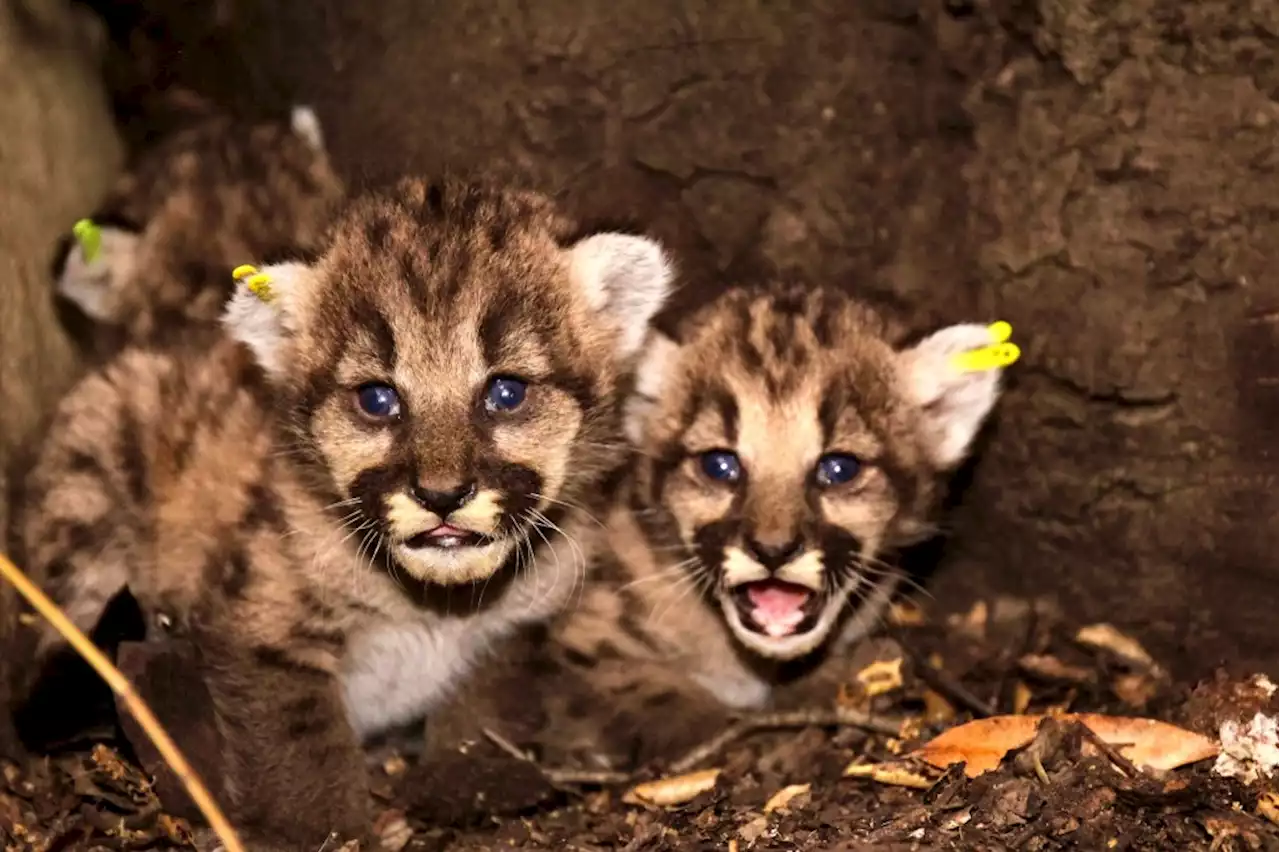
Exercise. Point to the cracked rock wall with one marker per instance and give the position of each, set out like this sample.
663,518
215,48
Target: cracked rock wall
1103,175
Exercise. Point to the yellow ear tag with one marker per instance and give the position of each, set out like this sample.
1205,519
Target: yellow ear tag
89,236
999,354
1000,331
259,283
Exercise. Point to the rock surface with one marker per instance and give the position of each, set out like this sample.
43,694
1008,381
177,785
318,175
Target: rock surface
1101,175
59,155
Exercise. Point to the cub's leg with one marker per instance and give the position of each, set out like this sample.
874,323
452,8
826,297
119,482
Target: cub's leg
292,770
74,532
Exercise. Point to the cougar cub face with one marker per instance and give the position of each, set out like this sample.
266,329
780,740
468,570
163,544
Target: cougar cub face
788,443
450,368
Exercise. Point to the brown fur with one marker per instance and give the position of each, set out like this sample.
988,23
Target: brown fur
269,518
780,375
201,201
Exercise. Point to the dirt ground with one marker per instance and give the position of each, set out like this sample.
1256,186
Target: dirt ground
1059,792
1099,174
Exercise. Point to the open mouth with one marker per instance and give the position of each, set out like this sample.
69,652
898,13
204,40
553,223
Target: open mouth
446,537
776,608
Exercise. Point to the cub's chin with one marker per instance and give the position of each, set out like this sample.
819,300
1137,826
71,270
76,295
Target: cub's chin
783,639
463,562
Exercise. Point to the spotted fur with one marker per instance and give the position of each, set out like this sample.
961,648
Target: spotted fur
245,498
782,377
192,207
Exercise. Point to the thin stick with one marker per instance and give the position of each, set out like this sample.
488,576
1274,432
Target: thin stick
137,707
948,685
1124,764
840,716
558,777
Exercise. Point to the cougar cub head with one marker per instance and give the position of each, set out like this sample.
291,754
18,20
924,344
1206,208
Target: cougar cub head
202,198
788,440
450,367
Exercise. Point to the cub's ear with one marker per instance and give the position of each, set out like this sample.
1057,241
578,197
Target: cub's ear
954,401
657,358
627,278
263,311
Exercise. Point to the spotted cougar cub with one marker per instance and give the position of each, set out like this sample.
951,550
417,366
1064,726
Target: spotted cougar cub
192,206
789,440
389,464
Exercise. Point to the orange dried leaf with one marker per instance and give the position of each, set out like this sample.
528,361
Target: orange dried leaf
880,677
898,775
675,790
781,799
906,614
983,743
1021,698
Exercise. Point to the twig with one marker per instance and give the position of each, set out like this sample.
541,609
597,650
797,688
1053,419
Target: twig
557,777
597,777
137,707
840,716
1124,764
507,746
950,687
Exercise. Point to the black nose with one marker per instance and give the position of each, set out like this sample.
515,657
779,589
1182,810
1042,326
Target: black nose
443,503
772,554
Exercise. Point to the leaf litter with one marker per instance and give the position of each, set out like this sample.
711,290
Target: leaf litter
1062,762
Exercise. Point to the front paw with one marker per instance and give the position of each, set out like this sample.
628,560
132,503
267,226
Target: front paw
292,770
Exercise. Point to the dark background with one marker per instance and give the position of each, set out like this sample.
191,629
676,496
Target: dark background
1101,174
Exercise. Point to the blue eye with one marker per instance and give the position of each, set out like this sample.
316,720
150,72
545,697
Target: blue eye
721,465
379,401
837,469
505,394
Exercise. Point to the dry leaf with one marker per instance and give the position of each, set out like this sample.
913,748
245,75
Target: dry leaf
1050,667
1135,689
888,773
906,614
1021,698
983,743
880,677
972,623
675,790
1108,638
1249,752
780,799
1269,807
393,830
937,708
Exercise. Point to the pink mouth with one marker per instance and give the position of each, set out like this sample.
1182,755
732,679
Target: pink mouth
446,537
774,607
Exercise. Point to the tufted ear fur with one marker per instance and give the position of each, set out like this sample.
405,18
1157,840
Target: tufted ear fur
95,286
954,402
304,122
656,361
267,325
627,278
